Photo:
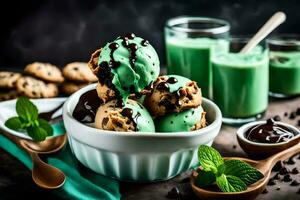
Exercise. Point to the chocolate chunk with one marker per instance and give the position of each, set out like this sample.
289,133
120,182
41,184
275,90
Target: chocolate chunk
163,86
145,43
172,80
278,188
284,171
272,182
294,183
286,114
278,166
234,146
104,121
290,161
295,171
287,178
174,193
276,176
293,115
265,191
277,118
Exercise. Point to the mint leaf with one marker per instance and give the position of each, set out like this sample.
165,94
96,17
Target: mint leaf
37,133
209,158
46,126
242,170
205,179
13,123
229,183
26,110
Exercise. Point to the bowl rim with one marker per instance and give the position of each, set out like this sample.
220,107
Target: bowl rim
240,133
67,113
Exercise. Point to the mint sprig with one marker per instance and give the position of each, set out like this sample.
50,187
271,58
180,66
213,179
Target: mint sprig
229,175
27,120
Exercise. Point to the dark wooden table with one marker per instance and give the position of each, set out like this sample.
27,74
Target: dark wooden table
16,183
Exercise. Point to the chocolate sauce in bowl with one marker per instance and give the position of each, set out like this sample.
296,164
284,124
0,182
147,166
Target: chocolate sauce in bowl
128,112
270,132
114,64
86,108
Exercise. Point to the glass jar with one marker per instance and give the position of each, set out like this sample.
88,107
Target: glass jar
190,45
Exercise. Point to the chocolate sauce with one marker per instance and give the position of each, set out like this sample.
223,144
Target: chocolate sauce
270,132
172,80
86,108
132,48
145,43
163,86
113,64
120,103
128,112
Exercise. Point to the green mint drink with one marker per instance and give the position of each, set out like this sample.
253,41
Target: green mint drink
285,73
191,58
240,84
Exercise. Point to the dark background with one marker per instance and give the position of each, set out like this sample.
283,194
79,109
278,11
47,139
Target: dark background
62,31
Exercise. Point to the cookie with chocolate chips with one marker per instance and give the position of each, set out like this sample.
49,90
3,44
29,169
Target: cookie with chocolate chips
34,88
79,72
70,87
45,71
8,79
7,94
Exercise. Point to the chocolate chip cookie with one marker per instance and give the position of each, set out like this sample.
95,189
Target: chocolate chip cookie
45,71
8,79
34,88
70,87
79,72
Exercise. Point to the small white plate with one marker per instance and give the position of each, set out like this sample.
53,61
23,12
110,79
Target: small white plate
8,110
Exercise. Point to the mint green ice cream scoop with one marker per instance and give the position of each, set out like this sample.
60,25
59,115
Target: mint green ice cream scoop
128,64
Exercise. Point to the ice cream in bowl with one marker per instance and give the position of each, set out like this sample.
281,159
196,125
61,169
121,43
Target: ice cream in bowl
135,125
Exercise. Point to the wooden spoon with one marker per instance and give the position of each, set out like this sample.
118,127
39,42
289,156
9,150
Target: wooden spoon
43,174
264,166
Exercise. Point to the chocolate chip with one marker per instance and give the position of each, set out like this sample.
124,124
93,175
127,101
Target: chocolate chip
104,121
284,171
293,115
34,93
287,178
298,192
290,161
75,68
295,171
172,122
277,118
265,191
278,188
286,114
234,146
272,182
276,176
278,166
298,111
298,123
294,183
174,193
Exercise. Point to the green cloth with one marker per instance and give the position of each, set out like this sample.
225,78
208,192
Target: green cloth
81,183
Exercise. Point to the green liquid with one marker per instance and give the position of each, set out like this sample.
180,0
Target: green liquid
285,73
191,58
240,84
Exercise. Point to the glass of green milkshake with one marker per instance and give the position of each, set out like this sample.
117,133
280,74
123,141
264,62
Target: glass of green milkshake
190,45
284,65
241,82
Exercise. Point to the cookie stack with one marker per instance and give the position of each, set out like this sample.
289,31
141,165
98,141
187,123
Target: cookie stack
77,75
8,85
40,81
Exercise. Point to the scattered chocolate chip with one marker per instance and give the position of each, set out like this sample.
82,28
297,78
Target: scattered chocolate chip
295,171
287,178
278,166
286,114
277,118
293,115
284,171
234,146
290,161
298,111
174,193
272,182
294,183
278,188
265,191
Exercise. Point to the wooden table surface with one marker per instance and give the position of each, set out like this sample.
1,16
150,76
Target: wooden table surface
15,179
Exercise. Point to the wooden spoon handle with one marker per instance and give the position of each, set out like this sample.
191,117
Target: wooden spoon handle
281,156
267,28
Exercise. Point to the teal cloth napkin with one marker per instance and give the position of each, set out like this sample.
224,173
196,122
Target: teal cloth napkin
81,183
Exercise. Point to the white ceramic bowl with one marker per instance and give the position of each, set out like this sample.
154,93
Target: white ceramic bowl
137,156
